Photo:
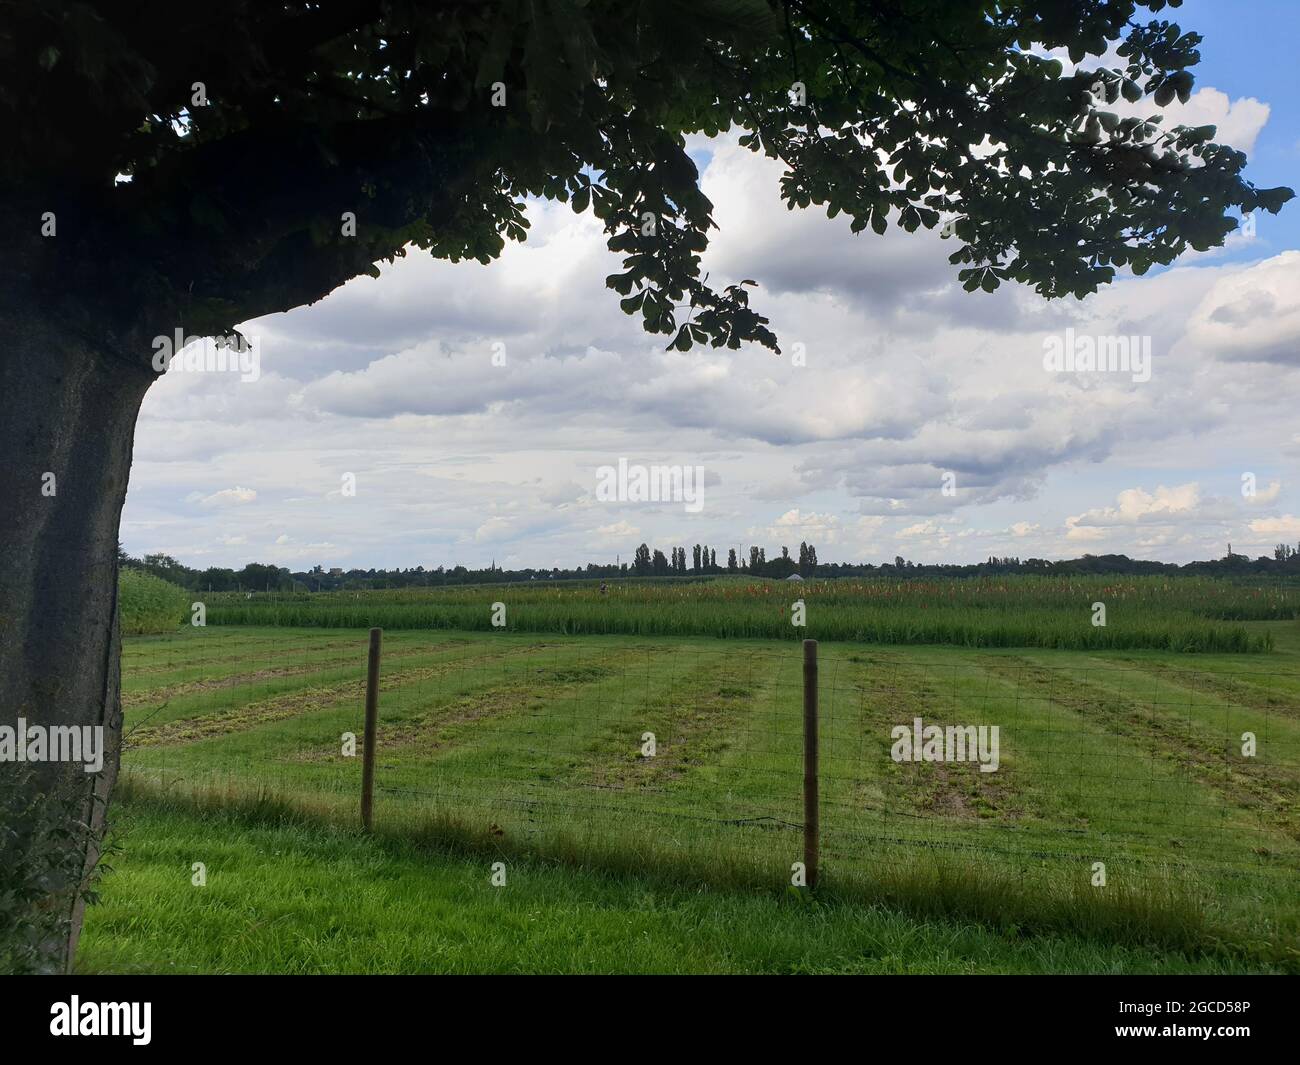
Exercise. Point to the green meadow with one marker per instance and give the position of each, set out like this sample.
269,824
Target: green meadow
642,791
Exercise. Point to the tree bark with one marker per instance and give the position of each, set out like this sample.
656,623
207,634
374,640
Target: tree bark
69,411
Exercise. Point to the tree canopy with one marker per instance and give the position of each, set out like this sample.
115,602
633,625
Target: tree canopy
197,160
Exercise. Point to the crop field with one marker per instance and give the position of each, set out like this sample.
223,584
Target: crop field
148,604
1182,614
683,755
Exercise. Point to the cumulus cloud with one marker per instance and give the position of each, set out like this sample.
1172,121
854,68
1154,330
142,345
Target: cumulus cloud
473,406
1135,505
920,528
619,530
1286,525
1237,122
1252,315
1264,496
227,497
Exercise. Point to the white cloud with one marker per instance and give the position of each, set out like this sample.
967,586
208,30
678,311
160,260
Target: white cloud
619,530
1266,496
1286,525
227,497
1237,122
921,528
1252,315
1088,533
906,379
494,529
1138,505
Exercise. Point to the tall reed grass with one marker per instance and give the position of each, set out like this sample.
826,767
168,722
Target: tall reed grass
148,604
1178,614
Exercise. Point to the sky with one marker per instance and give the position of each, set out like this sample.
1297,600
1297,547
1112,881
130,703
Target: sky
449,414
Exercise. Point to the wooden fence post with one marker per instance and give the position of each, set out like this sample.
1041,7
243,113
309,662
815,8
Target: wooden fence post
372,720
811,813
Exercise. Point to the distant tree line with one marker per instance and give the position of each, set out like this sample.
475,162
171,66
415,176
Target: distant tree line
703,562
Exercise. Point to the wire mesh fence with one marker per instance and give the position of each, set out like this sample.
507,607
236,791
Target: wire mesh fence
660,749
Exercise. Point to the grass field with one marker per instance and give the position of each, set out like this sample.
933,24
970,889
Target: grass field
1160,613
289,895
528,749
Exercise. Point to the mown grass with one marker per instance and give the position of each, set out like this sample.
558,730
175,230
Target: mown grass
1171,614
289,892
530,746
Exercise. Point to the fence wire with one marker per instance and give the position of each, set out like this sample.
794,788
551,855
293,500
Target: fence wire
659,748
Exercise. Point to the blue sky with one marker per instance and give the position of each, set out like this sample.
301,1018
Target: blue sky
1250,50
458,456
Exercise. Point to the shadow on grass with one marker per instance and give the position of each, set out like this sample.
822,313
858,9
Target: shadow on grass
1163,912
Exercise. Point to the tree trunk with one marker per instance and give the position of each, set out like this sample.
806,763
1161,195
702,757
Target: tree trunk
69,411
